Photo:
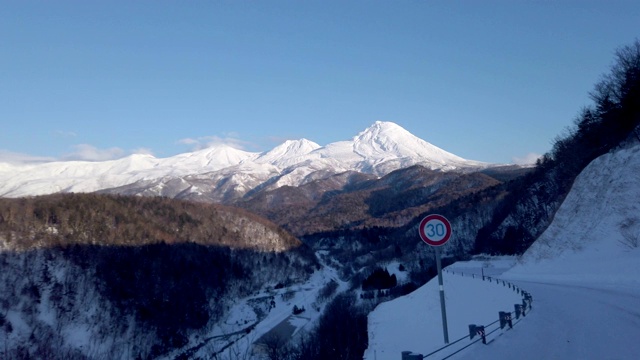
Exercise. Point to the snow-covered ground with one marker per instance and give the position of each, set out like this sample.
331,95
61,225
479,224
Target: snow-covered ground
583,273
414,322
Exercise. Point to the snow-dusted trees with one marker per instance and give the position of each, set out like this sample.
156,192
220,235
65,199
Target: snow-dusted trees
120,278
379,279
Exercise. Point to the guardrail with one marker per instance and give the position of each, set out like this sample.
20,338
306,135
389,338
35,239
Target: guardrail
505,318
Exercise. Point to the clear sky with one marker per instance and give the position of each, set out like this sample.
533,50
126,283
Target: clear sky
492,81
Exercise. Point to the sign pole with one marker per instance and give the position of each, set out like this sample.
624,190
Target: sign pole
435,230
443,308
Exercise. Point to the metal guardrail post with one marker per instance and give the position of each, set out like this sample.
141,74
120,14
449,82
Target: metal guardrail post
477,330
409,355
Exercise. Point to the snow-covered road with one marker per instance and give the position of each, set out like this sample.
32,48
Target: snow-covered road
570,322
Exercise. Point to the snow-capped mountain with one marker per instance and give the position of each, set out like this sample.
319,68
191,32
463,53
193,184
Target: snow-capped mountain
385,146
224,172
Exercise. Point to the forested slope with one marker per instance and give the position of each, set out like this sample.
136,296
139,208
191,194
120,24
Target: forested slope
115,277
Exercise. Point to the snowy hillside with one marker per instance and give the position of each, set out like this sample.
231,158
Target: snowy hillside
595,235
583,273
380,149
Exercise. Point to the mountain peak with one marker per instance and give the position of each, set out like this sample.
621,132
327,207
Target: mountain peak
382,129
288,150
384,138
390,143
212,158
301,144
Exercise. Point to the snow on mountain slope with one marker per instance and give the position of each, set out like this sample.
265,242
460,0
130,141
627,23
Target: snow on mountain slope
214,158
288,153
385,147
72,176
86,176
384,138
380,149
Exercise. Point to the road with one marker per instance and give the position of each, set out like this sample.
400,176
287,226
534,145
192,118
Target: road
570,322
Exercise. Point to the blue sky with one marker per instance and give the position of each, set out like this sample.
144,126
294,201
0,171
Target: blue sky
492,81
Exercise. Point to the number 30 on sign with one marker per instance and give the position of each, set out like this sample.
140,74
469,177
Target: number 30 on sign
435,230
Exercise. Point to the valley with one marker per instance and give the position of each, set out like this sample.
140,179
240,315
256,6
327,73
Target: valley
266,321
312,252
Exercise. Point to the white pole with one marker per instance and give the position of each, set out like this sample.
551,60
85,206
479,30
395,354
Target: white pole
443,308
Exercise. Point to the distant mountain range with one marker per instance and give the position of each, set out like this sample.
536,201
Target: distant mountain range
224,174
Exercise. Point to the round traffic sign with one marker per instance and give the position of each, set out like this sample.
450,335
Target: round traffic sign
435,230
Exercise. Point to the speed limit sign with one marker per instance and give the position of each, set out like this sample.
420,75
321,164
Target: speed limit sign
435,230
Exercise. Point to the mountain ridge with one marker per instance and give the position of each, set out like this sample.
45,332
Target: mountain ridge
380,149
